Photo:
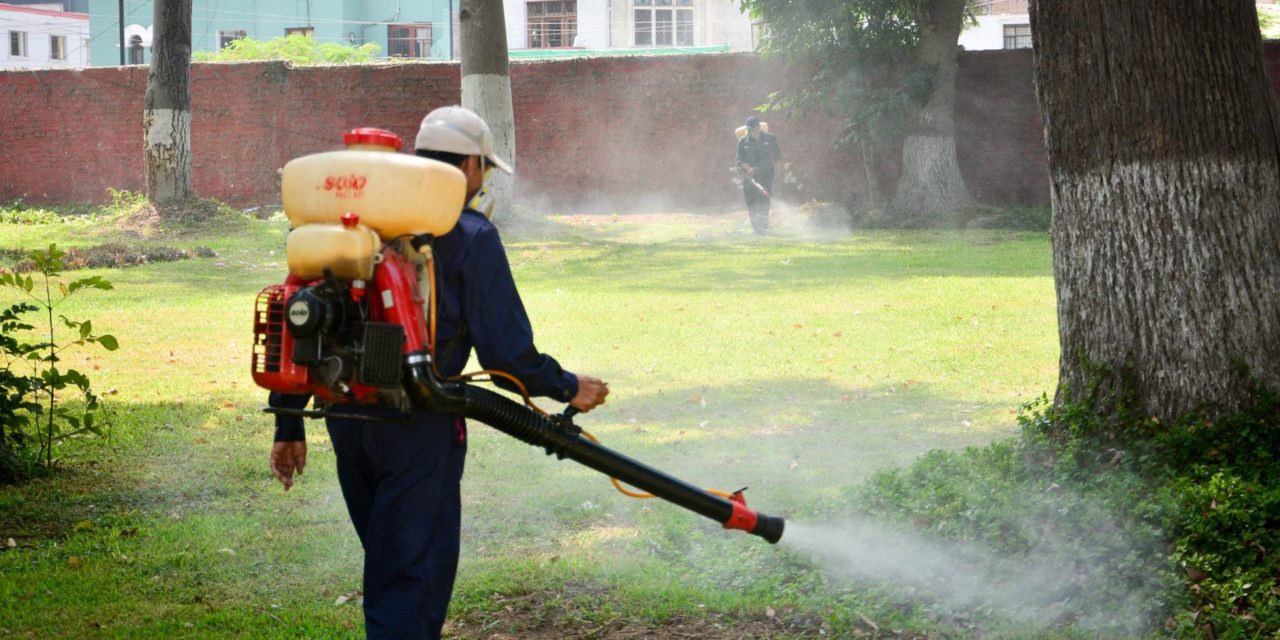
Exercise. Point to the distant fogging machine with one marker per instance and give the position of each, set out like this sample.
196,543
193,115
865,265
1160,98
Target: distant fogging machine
354,322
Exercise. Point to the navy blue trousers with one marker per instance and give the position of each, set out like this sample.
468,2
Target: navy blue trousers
757,204
401,484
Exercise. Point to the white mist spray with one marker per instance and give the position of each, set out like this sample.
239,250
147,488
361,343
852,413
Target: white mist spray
1037,588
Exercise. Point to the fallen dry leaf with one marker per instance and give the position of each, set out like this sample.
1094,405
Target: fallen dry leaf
867,621
347,597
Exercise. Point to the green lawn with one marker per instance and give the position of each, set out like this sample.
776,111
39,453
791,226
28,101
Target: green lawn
795,364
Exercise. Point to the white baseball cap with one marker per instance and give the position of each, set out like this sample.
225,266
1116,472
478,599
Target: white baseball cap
458,130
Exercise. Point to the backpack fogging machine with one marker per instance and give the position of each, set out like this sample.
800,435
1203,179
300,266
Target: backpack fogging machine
354,321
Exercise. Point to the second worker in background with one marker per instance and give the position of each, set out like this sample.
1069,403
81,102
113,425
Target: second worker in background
757,153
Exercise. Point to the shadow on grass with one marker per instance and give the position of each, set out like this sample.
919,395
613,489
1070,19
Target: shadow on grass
798,443
108,477
684,267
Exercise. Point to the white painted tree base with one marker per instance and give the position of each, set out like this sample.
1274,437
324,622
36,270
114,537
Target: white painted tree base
490,96
1147,260
167,153
931,184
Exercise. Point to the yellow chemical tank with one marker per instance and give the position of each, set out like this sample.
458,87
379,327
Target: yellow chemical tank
348,248
393,193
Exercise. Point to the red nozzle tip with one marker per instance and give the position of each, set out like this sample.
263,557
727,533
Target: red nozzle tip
742,517
350,219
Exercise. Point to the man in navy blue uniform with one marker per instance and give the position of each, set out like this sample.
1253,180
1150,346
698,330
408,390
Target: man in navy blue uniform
757,151
401,480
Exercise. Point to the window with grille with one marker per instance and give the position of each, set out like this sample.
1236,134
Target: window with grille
309,32
57,47
227,37
552,23
409,40
18,44
1017,36
664,23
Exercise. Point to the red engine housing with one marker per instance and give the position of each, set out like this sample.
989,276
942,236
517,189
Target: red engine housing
394,297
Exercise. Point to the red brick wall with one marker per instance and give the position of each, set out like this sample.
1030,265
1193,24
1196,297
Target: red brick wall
594,134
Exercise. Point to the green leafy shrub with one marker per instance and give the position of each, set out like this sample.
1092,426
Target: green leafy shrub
18,213
1026,218
34,414
298,49
1184,516
124,202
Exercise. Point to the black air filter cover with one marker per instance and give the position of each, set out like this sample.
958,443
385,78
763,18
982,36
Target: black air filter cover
380,364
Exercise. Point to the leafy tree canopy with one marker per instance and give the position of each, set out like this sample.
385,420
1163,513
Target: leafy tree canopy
298,49
857,53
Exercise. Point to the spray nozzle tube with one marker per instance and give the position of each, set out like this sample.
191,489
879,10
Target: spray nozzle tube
560,438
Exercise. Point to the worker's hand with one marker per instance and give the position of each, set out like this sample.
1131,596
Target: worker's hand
751,171
286,458
591,393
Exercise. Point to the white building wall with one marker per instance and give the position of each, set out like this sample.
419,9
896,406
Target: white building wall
513,11
609,24
725,23
39,24
716,22
593,24
989,32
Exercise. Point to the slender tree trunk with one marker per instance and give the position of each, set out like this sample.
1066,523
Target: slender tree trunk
1165,183
873,207
931,185
166,120
486,86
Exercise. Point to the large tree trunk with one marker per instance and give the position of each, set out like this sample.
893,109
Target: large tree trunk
1165,183
166,120
486,86
931,186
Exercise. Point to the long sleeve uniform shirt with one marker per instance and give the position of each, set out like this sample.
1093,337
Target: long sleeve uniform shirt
478,307
759,154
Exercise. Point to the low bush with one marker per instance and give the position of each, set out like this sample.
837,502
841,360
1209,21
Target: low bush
1184,516
35,415
104,256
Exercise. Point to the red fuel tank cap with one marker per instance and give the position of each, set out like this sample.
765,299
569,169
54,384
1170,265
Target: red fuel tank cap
370,135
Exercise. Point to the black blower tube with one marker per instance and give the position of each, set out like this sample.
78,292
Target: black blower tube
564,441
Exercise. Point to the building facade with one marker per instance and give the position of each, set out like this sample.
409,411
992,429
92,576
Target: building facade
42,36
627,24
402,29
1002,24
